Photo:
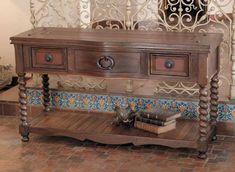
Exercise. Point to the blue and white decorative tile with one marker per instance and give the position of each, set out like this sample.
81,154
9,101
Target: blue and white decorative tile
194,110
233,111
34,97
225,112
105,103
221,112
101,103
63,100
87,102
55,98
118,101
135,103
184,108
166,104
148,104
73,102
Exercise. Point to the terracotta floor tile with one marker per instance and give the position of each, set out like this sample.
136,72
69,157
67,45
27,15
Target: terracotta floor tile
60,154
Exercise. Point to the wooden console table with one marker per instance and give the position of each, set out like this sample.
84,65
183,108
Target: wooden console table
133,54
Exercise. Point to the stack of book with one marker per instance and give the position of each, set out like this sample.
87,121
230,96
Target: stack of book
157,122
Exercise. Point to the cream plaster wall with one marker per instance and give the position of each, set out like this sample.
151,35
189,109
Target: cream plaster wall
14,18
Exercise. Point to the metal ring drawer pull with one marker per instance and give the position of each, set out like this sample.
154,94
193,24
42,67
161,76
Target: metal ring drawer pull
48,57
105,63
169,64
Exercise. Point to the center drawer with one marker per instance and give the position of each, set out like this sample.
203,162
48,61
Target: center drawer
103,63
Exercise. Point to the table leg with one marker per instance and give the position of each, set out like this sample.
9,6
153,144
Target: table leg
24,125
214,103
46,93
203,122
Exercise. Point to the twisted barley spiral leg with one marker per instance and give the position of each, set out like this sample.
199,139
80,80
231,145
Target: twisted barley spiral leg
46,93
24,125
203,123
214,102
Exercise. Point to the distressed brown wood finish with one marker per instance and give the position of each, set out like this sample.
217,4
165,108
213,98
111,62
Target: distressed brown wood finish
137,54
46,93
24,124
214,102
98,127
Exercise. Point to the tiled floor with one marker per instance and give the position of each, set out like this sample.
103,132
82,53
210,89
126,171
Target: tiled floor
58,154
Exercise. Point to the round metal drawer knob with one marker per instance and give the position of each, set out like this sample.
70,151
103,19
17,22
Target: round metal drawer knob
169,64
105,63
48,58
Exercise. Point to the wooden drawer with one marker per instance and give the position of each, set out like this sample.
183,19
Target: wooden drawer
49,58
169,64
102,63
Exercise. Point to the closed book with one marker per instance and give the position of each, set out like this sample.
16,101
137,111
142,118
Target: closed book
154,121
161,115
154,128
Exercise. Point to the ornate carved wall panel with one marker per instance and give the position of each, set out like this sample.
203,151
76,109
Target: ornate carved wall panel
156,15
55,13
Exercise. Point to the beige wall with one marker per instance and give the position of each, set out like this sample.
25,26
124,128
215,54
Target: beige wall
14,18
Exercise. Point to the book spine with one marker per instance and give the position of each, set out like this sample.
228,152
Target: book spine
154,128
149,116
151,121
163,118
146,127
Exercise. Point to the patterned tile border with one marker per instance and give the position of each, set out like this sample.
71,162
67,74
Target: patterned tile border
106,103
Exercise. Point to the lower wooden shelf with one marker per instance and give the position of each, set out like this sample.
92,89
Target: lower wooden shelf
97,127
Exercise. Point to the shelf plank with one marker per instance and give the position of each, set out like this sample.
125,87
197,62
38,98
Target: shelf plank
97,127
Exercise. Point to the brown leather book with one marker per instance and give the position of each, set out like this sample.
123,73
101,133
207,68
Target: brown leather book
154,121
154,128
161,115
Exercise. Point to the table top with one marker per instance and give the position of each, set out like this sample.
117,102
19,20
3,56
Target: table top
131,39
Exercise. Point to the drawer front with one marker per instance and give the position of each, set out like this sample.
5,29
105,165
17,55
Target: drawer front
100,63
54,58
169,64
